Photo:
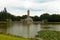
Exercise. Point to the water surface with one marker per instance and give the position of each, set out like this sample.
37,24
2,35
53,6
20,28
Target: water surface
30,30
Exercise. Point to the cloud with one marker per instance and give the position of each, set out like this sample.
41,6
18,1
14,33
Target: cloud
41,1
37,7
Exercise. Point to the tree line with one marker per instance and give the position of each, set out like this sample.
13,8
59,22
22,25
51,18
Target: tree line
50,18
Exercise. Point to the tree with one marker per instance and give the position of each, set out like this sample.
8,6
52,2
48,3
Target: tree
5,11
24,16
54,18
35,18
44,16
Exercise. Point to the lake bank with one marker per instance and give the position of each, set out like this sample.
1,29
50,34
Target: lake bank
39,22
11,37
5,22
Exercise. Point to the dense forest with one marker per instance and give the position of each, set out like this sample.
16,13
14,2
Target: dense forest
50,18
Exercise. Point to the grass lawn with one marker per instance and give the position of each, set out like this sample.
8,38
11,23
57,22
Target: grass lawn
9,37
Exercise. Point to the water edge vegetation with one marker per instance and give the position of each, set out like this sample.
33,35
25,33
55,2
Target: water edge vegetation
49,35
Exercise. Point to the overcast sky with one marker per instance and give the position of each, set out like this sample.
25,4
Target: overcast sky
36,7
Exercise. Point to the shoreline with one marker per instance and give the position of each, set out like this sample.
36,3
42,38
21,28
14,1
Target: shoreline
32,22
39,22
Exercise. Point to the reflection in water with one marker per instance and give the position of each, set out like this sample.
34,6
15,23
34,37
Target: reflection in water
45,26
23,30
3,27
29,30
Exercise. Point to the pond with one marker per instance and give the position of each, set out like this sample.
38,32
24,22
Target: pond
29,31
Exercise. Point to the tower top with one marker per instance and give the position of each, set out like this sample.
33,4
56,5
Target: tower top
28,12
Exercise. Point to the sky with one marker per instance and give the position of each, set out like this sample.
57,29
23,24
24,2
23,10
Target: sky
36,7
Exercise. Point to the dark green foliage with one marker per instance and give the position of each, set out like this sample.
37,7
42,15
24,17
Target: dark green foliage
49,34
35,18
50,18
44,16
24,16
15,18
5,15
54,18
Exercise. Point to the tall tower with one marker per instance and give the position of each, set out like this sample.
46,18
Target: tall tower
28,20
28,13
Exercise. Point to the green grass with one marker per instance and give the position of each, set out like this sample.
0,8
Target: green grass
10,37
49,35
